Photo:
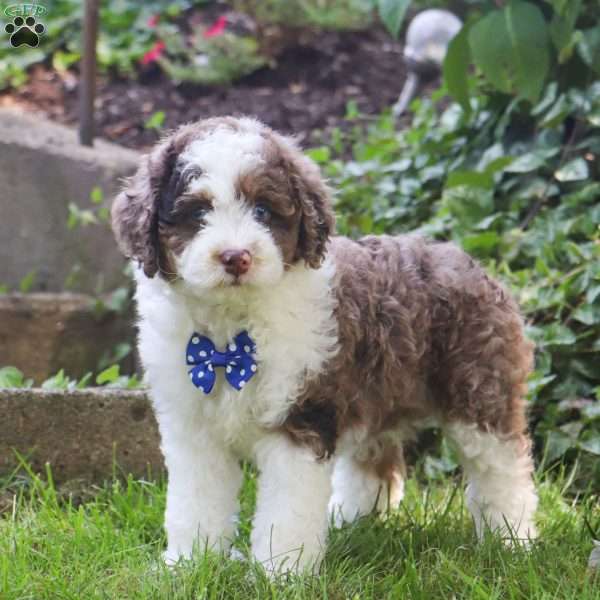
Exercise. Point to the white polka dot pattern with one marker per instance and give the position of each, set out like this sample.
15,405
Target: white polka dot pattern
237,359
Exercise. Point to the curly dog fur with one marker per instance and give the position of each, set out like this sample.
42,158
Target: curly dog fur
359,345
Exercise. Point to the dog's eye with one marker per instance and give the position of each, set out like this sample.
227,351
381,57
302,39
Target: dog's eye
262,213
199,214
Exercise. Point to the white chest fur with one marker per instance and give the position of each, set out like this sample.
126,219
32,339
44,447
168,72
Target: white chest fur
292,324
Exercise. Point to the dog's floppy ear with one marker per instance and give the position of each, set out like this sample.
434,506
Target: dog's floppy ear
318,218
313,197
147,198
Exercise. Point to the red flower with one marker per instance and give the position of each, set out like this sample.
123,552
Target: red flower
217,28
153,21
154,53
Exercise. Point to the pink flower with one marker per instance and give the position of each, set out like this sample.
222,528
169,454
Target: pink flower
217,28
154,53
153,21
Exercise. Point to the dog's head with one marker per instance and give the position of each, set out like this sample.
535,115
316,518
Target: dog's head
224,202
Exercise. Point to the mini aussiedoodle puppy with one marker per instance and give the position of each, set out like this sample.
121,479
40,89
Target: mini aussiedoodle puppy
264,338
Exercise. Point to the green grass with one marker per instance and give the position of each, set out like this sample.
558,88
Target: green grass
106,542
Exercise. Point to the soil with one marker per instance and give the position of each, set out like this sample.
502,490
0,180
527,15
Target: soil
304,93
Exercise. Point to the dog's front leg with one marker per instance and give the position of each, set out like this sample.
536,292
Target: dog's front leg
290,525
204,480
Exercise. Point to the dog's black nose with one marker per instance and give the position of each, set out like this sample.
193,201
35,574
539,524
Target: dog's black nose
236,262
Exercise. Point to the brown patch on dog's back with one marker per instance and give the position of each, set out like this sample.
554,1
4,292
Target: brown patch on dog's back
423,332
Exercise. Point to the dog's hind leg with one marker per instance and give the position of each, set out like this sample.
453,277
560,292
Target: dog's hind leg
481,383
500,491
366,478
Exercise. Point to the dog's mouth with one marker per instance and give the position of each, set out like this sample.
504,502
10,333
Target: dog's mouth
236,281
231,281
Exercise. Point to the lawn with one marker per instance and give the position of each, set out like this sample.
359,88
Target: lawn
106,542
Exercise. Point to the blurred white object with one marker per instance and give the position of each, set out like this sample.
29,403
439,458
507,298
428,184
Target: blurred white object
427,39
428,36
594,562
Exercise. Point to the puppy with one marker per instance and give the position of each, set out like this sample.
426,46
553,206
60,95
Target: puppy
265,338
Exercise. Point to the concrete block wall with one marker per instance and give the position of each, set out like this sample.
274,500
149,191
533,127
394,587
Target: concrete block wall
41,333
42,169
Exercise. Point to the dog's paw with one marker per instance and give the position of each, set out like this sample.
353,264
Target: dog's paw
289,563
24,31
594,560
341,511
358,492
372,497
281,557
172,557
238,555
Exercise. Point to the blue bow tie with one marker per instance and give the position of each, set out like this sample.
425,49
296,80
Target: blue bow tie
237,359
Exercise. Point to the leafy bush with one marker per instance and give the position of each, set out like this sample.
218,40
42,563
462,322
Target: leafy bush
215,61
515,45
518,47
133,32
124,37
515,188
11,377
510,172
322,14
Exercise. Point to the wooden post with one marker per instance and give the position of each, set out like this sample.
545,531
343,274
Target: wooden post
87,83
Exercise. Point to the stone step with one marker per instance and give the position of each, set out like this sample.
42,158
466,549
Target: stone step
81,434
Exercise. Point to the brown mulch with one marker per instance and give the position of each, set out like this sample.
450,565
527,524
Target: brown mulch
305,93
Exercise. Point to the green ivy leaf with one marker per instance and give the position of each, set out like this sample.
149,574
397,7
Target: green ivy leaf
588,48
11,377
562,29
481,244
96,195
109,375
320,155
537,382
456,68
468,204
57,382
156,120
587,314
557,443
585,195
548,99
499,165
84,381
591,445
557,334
470,178
511,48
118,300
592,411
392,14
592,293
27,281
574,170
526,163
